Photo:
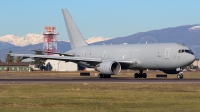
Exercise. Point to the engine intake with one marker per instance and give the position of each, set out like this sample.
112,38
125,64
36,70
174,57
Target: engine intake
109,67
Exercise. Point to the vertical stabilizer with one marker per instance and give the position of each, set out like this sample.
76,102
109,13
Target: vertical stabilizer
75,37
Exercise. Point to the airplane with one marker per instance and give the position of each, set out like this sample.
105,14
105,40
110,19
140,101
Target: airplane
109,60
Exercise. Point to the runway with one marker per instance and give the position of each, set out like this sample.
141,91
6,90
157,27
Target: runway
93,80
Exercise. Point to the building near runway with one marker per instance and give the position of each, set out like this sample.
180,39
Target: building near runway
54,65
196,64
14,66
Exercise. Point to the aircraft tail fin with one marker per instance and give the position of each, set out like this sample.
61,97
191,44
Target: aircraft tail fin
75,37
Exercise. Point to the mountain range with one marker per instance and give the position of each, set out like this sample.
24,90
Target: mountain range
187,34
32,39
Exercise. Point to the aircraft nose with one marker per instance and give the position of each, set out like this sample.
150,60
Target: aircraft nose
191,58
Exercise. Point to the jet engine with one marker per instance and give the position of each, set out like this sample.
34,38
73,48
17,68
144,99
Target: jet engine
108,67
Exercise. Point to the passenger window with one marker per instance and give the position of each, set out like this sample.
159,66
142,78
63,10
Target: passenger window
179,51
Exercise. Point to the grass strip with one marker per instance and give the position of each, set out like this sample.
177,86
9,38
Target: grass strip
103,97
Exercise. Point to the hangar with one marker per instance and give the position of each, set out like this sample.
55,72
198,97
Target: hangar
55,65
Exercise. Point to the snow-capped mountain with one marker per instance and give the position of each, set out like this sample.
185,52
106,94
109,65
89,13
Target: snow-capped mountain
96,39
29,39
196,27
32,39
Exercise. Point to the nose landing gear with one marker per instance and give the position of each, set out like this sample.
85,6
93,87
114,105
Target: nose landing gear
180,75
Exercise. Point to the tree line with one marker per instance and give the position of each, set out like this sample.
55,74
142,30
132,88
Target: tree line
11,59
37,61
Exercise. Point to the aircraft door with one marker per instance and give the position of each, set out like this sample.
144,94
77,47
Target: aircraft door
104,54
167,50
83,53
124,56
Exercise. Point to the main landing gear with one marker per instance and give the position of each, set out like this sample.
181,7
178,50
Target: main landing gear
104,76
140,75
180,75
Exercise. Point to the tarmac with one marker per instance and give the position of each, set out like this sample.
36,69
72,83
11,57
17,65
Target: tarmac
68,80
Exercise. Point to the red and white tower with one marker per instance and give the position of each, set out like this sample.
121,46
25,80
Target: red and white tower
50,40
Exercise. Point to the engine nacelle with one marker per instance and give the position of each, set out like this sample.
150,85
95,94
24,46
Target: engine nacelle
108,67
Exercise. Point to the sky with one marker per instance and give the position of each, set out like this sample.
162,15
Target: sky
94,18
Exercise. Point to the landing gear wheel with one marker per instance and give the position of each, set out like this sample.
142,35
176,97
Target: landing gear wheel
140,75
180,76
104,76
136,75
100,76
144,75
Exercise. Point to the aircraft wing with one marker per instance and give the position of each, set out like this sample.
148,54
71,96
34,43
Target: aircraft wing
75,59
64,54
62,58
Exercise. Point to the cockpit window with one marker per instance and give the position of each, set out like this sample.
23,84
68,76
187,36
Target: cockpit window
186,50
191,52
